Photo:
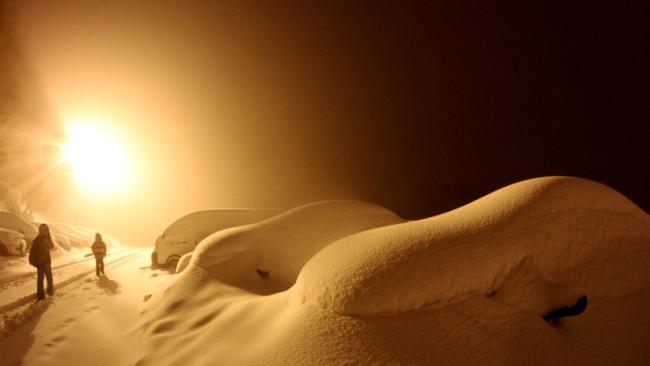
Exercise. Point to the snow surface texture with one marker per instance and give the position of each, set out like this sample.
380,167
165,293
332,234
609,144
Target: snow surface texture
184,262
13,221
352,283
266,257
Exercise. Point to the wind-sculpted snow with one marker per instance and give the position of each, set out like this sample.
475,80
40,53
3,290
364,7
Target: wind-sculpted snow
183,262
487,283
552,227
267,257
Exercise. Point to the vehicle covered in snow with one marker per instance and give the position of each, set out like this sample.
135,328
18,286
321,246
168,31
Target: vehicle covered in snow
62,241
185,233
12,221
12,243
75,238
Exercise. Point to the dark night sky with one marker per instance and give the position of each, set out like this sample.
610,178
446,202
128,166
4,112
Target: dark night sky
444,103
419,107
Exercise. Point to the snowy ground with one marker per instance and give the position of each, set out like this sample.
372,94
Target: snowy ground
345,283
18,288
14,265
351,283
89,322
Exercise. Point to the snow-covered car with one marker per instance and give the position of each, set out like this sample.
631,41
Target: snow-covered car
12,243
75,239
62,241
184,234
13,221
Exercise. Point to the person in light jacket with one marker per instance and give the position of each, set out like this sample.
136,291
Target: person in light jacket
99,251
39,257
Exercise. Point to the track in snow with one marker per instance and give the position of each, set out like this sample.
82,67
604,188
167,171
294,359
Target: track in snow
58,270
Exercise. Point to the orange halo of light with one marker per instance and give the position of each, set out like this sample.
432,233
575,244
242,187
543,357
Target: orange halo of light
99,162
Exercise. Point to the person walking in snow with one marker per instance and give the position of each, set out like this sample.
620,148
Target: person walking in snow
99,251
39,257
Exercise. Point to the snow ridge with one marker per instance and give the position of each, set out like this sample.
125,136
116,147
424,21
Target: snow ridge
548,226
344,282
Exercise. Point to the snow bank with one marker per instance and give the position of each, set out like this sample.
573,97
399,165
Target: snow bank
185,233
184,262
62,241
466,287
12,221
554,227
266,257
74,238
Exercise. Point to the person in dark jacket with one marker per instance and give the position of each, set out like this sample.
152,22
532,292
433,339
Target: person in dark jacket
99,251
39,257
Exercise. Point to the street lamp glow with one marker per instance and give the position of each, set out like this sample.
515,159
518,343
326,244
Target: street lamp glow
99,162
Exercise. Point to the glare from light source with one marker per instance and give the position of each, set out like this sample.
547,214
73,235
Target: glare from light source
98,160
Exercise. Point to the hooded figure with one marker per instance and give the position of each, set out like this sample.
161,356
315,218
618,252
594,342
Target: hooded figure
99,251
39,257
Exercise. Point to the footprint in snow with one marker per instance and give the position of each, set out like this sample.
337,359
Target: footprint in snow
54,341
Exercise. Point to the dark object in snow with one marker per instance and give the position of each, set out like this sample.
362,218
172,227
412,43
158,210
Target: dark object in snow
39,257
99,251
572,310
39,253
264,273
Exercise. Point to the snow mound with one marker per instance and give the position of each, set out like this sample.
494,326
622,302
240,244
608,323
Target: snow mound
350,283
183,262
62,241
15,222
266,257
548,228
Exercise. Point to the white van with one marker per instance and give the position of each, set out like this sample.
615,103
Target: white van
184,234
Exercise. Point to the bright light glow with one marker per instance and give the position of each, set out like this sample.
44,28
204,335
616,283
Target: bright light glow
99,162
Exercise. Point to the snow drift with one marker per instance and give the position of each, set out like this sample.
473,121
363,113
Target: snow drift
352,283
15,222
554,227
267,257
